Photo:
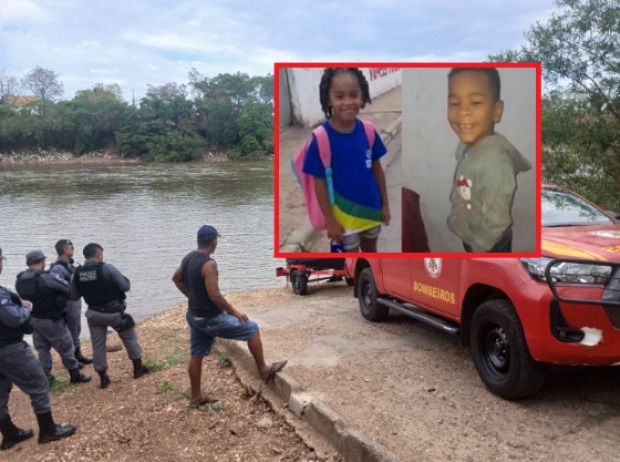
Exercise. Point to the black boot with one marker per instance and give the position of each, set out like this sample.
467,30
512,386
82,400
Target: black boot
105,379
81,358
11,435
139,369
49,431
49,375
78,377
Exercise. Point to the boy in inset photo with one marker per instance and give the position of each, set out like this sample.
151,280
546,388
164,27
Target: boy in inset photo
485,179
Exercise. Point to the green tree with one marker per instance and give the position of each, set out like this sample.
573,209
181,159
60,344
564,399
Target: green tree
255,130
96,115
579,48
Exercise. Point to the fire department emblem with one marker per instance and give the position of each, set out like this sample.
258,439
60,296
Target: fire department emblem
611,234
433,267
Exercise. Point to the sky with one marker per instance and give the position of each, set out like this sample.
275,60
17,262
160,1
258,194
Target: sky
136,43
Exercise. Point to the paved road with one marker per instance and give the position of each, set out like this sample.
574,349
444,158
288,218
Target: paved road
416,391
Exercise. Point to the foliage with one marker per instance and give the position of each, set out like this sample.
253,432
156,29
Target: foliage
579,48
229,111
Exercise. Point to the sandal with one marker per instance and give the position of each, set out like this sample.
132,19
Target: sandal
205,400
274,369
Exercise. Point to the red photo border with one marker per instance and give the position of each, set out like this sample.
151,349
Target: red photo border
531,65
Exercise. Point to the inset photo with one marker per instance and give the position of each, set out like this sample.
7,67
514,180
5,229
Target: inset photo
338,165
470,169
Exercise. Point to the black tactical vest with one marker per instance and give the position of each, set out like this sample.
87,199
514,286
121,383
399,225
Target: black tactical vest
98,290
46,302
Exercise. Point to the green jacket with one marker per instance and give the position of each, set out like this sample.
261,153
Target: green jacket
483,191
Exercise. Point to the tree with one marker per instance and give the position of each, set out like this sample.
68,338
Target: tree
44,84
579,48
9,85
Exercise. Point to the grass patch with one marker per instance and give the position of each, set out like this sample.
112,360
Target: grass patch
223,359
164,388
169,390
178,356
248,391
58,387
154,365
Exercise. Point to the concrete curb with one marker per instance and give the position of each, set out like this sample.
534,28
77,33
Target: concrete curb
352,444
303,237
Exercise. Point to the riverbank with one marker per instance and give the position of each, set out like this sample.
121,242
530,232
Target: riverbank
43,156
149,418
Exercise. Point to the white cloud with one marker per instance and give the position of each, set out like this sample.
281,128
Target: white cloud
154,41
20,11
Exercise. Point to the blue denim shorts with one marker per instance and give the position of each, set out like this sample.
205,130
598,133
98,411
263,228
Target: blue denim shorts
203,331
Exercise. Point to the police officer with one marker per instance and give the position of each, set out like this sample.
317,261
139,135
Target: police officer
103,287
73,311
48,294
19,366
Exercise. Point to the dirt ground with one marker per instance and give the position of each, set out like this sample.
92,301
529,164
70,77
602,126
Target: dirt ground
410,387
149,418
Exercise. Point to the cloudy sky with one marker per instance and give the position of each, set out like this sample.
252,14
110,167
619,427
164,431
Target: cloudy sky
139,42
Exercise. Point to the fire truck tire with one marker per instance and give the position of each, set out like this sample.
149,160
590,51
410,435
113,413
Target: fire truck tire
299,281
367,291
500,352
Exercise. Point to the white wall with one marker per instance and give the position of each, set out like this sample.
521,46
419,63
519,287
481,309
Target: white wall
304,90
429,143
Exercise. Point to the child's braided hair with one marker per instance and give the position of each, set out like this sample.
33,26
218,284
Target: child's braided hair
326,80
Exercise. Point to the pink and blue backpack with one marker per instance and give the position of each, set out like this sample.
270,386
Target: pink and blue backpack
315,215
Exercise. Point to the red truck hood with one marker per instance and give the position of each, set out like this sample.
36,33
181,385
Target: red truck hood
590,242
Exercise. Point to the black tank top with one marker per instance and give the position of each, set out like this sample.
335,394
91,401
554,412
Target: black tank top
199,303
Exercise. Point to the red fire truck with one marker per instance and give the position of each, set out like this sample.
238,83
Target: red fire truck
517,315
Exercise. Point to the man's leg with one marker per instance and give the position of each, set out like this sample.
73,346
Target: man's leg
74,324
256,348
98,331
194,369
73,313
200,346
41,344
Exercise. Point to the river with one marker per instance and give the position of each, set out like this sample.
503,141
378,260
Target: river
146,218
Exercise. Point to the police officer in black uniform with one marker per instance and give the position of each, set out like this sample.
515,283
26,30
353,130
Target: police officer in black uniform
19,366
49,294
103,287
73,311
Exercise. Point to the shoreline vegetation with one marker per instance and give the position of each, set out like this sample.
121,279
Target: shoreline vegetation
53,156
231,114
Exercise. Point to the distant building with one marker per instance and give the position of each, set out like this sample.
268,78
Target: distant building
17,101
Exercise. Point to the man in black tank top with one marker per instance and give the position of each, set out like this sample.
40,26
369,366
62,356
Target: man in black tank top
210,315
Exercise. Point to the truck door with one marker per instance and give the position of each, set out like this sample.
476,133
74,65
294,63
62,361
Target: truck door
435,284
396,277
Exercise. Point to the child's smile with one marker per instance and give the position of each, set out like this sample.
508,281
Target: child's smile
472,110
345,98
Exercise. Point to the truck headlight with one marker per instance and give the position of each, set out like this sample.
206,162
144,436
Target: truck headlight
568,272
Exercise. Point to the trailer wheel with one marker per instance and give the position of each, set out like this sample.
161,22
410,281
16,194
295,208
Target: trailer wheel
367,291
299,281
500,352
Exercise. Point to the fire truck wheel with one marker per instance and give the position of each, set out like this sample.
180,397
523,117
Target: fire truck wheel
367,291
299,281
500,352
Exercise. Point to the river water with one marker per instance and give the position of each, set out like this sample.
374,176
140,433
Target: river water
146,218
